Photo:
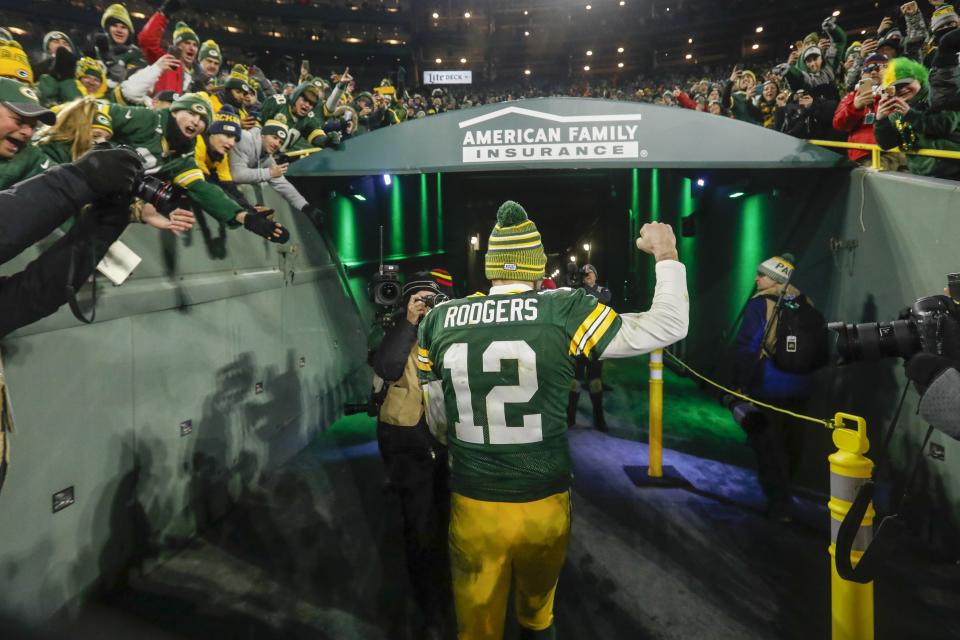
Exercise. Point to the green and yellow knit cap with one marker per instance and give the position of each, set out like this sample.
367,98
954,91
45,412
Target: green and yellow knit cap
183,32
116,13
195,103
102,120
903,70
515,251
210,49
14,63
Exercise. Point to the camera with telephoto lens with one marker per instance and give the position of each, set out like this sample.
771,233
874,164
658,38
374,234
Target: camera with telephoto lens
931,325
150,189
434,299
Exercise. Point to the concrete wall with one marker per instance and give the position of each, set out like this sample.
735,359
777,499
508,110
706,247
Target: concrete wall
257,345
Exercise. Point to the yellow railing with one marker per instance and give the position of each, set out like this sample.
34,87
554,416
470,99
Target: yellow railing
875,151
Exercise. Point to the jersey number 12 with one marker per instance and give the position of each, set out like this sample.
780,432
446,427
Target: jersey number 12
455,360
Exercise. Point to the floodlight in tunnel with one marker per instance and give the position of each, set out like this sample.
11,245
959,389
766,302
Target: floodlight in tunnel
359,197
387,180
736,194
701,182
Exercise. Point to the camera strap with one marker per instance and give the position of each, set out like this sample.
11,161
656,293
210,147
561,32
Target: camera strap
892,528
78,246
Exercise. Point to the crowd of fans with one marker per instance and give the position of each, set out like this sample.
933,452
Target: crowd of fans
208,126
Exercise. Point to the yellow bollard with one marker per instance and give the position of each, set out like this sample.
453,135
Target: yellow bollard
655,428
852,603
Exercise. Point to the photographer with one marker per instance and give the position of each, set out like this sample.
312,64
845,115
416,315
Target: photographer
778,442
858,112
585,369
37,206
416,462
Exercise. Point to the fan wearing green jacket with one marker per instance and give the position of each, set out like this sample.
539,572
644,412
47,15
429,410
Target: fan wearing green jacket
166,140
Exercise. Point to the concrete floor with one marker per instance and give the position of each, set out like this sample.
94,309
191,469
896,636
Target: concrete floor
315,553
314,549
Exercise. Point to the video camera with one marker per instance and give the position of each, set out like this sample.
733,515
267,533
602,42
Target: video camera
930,325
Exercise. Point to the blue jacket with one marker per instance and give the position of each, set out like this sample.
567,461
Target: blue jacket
762,380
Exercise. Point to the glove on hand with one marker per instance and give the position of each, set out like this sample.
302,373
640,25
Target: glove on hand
110,171
260,224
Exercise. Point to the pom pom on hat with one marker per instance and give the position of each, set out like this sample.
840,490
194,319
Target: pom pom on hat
510,214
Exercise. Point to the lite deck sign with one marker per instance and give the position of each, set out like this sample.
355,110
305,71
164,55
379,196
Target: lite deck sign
447,77
549,137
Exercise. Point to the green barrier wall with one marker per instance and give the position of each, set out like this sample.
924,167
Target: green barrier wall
258,346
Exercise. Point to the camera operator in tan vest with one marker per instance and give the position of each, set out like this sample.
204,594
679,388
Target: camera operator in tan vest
416,462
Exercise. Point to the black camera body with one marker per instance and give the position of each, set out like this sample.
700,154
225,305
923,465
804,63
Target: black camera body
152,190
384,288
931,325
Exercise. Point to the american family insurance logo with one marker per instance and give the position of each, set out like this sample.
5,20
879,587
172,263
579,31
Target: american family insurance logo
604,137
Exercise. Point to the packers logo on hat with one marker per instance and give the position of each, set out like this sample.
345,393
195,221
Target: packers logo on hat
198,108
102,119
282,134
23,74
29,93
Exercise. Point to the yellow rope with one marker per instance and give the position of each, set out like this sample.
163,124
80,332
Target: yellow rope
829,424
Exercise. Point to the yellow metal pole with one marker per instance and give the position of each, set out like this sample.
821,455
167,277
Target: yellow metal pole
852,603
875,158
655,466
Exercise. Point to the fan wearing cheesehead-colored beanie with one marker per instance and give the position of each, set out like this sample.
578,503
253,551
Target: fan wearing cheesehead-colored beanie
777,440
503,363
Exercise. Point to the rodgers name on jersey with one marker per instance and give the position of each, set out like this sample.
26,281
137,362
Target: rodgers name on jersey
505,365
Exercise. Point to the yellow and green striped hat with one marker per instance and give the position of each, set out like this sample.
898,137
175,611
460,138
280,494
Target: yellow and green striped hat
515,251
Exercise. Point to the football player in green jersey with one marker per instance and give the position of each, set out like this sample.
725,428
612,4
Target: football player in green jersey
500,366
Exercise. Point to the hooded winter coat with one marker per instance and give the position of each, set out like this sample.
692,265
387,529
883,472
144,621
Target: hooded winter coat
249,165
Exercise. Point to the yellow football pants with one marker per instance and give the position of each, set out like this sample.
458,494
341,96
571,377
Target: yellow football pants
494,543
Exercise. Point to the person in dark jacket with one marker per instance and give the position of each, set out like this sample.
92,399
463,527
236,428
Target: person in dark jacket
586,369
778,442
415,460
35,207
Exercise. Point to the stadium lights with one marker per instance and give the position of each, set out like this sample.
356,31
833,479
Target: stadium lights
463,61
525,12
17,30
526,33
622,2
589,52
755,46
466,14
619,49
526,72
359,197
573,258
759,29
586,246
689,40
863,32
475,241
438,61
586,67
436,15
737,194
836,13
619,65
688,56
138,15
588,7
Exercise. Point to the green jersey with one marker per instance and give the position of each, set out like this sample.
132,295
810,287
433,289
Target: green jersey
505,362
26,163
144,129
305,132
